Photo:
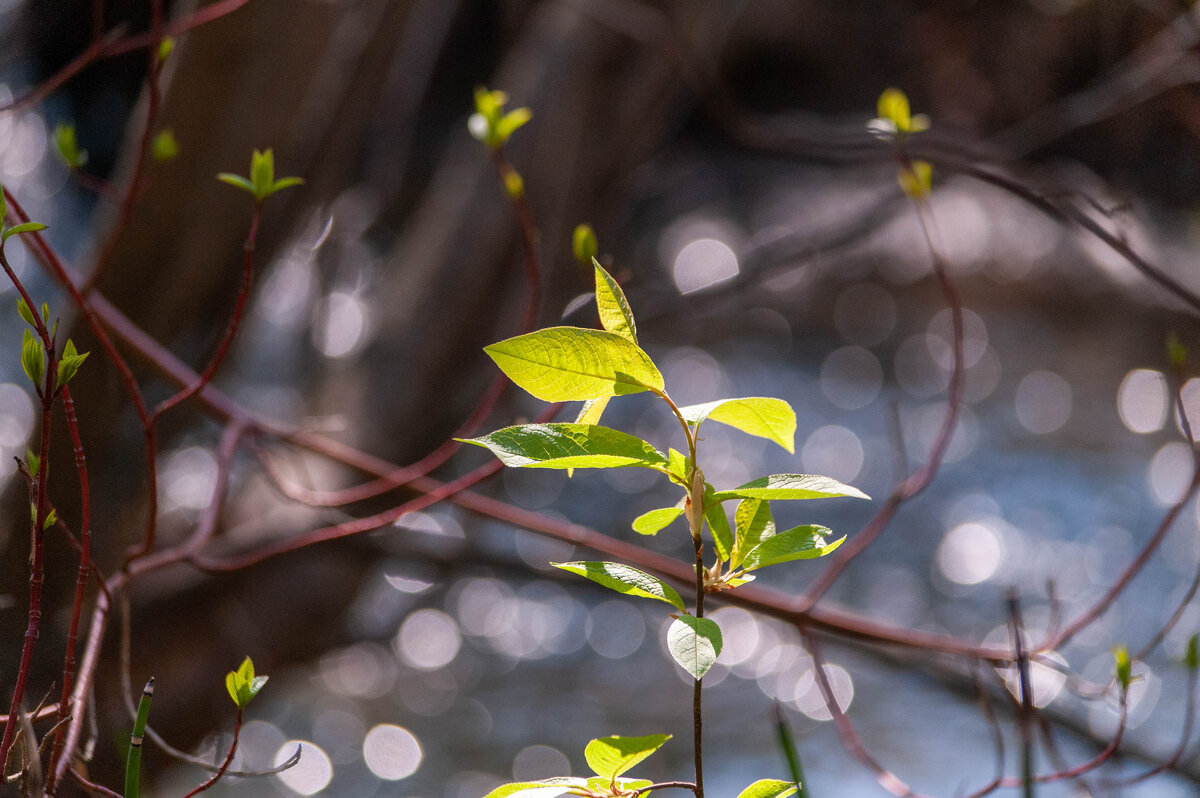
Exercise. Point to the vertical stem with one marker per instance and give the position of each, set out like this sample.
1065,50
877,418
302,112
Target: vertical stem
697,710
1026,715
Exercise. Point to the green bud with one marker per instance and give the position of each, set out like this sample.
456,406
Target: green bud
584,245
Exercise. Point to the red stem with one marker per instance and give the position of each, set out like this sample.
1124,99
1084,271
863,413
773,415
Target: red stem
81,581
237,730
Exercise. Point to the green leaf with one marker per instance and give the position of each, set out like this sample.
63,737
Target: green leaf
237,181
1191,657
67,146
166,46
791,487
653,522
510,122
569,446
25,313
678,467
624,579
563,364
768,788
51,517
3,206
761,416
694,643
69,365
583,244
32,462
798,543
592,410
609,757
32,358
28,227
602,786
164,147
1124,667
718,523
615,315
547,788
262,171
893,106
242,684
754,525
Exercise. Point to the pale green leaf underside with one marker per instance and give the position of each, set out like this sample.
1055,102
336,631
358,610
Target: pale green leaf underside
768,788
569,446
548,788
609,757
564,364
615,315
762,416
653,522
694,643
754,525
624,579
677,466
791,486
799,543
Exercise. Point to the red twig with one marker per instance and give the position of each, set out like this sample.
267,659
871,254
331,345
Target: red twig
237,730
81,581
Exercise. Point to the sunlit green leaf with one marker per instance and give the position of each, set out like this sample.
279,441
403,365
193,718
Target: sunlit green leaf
615,314
547,788
592,410
798,543
754,524
893,105
653,522
768,788
678,466
569,446
791,487
624,579
237,181
563,364
609,757
762,416
24,312
33,359
718,523
694,643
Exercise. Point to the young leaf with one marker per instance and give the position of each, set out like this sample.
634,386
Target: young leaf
33,359
563,364
653,522
754,525
917,180
718,523
237,181
548,788
51,517
3,206
761,416
768,788
569,446
67,145
32,462
624,579
583,244
615,315
166,46
242,684
28,227
798,543
791,487
609,757
694,643
25,313
1191,657
69,365
1124,667
677,466
893,106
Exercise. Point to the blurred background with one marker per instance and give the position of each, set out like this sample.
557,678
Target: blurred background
719,149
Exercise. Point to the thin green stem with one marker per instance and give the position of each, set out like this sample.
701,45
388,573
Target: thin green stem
133,763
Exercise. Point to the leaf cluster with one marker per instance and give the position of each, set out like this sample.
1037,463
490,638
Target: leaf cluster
261,183
490,123
243,685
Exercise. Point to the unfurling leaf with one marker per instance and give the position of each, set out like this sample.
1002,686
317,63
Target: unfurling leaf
624,579
762,416
33,359
754,525
563,364
68,365
261,183
609,757
569,446
243,685
1191,657
25,313
67,146
28,227
164,147
490,124
694,643
1124,667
